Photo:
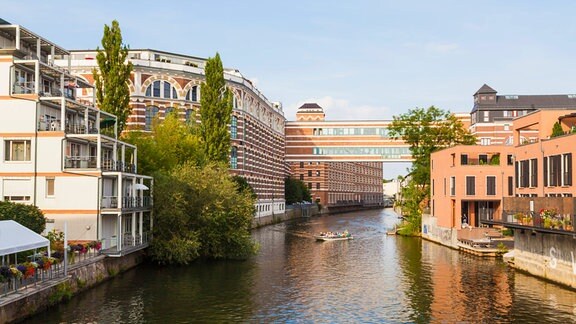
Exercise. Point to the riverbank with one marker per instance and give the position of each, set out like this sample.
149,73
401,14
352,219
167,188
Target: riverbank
81,276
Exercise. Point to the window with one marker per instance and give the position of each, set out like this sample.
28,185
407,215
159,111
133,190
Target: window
161,87
510,186
524,173
567,169
188,115
309,173
151,113
432,187
533,173
166,89
49,187
192,94
463,159
470,185
483,159
309,185
301,164
506,127
233,127
485,141
317,173
452,186
301,177
234,158
17,150
318,185
555,170
510,159
486,116
156,89
491,185
168,111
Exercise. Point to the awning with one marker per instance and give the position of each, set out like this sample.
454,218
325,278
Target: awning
16,238
140,186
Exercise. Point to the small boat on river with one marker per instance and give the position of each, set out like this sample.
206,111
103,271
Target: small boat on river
334,236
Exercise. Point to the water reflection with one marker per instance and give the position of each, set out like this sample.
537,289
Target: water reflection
373,278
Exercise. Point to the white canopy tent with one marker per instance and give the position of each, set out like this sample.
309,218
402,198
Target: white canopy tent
16,238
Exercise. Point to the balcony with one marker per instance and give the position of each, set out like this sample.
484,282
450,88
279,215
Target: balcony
545,221
118,166
80,129
80,162
130,243
127,202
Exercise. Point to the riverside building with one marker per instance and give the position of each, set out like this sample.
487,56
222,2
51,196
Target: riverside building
492,114
164,82
340,161
61,153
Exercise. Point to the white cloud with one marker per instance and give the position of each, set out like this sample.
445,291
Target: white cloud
342,109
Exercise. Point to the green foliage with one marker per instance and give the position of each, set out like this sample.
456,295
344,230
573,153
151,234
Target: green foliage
296,191
557,130
63,292
171,143
200,212
426,131
26,215
111,80
495,159
215,112
243,185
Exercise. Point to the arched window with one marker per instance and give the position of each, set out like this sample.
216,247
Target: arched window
151,112
192,94
233,127
234,158
165,88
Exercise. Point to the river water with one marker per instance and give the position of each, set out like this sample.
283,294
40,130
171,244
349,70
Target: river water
374,278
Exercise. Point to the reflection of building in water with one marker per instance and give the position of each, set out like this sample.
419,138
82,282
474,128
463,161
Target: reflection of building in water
459,289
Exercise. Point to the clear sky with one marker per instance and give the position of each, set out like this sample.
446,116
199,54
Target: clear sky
357,59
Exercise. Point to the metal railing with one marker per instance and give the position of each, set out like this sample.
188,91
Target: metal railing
557,222
41,274
118,166
80,162
127,202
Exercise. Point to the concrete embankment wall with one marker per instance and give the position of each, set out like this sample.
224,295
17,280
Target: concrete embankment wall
546,255
432,232
291,213
80,277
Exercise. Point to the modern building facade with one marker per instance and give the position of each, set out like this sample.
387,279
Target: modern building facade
492,115
61,153
164,82
341,162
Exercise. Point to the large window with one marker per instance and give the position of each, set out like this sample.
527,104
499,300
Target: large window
470,185
491,185
151,113
567,169
192,94
234,127
452,186
234,158
533,173
17,150
555,170
161,89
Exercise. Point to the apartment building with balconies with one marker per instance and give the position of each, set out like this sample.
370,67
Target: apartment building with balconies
61,153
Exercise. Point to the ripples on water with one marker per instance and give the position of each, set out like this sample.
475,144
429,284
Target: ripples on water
374,278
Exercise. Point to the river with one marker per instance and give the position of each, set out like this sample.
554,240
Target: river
374,278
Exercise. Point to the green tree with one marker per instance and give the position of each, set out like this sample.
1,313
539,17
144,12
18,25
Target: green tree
27,215
111,80
557,130
242,185
296,191
426,131
215,112
171,143
199,213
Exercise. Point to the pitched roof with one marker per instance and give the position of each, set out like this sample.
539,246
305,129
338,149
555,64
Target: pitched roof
485,89
532,102
310,105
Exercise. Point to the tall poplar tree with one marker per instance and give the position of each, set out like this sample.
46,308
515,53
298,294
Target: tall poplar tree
111,80
215,112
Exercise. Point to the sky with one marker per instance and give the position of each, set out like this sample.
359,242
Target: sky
358,59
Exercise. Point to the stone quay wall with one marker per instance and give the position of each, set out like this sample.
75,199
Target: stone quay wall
81,276
546,255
